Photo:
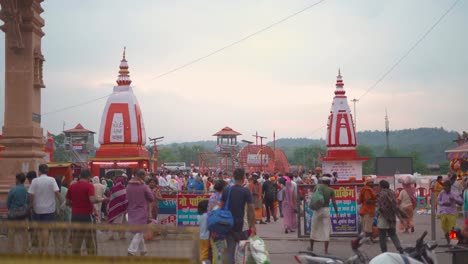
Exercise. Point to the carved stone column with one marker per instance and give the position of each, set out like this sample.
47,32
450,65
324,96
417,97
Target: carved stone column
22,132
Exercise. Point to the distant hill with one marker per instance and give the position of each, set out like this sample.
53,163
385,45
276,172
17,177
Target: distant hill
430,143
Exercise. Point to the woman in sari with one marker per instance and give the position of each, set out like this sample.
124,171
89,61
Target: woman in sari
118,205
256,189
407,203
289,208
438,186
156,189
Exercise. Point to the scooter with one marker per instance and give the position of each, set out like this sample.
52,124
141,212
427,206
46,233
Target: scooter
422,253
306,257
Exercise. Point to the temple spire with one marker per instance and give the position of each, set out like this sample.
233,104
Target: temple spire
124,77
339,84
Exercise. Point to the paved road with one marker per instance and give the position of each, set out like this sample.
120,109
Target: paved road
283,247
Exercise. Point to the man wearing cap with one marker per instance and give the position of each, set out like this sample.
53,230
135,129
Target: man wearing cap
321,221
367,199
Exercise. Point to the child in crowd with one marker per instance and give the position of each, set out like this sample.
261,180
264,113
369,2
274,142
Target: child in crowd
204,233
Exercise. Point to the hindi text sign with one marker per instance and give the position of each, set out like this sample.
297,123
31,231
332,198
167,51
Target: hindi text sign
187,208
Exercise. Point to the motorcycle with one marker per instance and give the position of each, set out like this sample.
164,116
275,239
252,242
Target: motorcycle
358,257
459,246
457,238
422,253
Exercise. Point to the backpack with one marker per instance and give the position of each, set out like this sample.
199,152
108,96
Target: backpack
317,201
220,220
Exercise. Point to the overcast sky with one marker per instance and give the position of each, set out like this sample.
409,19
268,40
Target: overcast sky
282,79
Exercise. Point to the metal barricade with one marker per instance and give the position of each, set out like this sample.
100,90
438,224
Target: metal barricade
22,242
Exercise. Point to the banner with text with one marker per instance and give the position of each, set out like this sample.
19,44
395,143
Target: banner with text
346,201
168,210
344,169
187,208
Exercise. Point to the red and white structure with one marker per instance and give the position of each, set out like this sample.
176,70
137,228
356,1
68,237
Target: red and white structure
122,132
341,156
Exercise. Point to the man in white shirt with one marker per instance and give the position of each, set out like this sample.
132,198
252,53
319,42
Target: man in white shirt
43,192
168,176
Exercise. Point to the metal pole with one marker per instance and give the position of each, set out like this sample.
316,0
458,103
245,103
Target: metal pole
355,114
433,216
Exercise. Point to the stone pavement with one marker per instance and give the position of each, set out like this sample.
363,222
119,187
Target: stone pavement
282,247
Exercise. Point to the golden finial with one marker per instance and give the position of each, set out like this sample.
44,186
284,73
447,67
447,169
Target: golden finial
124,53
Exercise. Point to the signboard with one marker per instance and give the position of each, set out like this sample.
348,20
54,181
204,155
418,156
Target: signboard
168,210
36,117
117,129
346,201
388,166
344,168
77,146
187,208
256,159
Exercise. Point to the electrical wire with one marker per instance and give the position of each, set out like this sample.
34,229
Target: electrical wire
76,105
410,49
238,41
203,57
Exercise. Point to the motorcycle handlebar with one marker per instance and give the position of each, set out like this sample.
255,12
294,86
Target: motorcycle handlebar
421,239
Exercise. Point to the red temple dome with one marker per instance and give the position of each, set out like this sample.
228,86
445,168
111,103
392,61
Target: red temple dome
122,121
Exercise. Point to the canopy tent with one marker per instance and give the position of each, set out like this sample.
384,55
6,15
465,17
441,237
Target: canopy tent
460,152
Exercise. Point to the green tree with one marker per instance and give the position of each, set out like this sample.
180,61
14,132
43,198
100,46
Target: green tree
60,154
419,165
308,157
166,155
367,166
444,167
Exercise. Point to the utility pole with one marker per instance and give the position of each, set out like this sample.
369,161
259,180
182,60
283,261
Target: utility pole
261,147
355,114
387,131
155,149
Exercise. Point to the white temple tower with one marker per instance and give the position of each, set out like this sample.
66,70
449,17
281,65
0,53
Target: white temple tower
341,156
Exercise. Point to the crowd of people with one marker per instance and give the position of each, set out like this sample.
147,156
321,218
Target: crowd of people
265,198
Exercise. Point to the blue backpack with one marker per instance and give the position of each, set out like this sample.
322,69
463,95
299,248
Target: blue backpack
221,220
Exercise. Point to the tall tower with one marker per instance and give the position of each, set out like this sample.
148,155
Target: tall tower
22,132
341,138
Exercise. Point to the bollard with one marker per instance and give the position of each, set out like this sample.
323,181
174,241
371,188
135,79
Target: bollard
433,216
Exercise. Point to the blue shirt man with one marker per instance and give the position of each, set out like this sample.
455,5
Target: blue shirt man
199,185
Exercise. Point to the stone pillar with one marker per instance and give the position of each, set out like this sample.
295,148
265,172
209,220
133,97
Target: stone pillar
22,133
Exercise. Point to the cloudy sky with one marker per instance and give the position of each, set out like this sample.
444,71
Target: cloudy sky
282,79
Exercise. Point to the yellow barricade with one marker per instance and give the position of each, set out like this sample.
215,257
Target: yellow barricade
22,242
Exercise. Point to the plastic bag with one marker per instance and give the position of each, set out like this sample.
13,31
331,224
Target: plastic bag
258,250
243,253
317,200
